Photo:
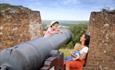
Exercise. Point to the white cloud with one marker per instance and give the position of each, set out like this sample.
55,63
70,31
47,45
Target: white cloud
2,1
64,9
97,1
63,14
67,2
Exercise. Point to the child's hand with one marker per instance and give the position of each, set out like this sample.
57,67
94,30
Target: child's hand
75,58
73,55
61,32
71,52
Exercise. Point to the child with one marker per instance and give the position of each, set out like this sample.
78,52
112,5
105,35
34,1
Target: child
53,29
75,54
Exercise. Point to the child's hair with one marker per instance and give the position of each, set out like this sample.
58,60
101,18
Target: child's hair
53,23
77,46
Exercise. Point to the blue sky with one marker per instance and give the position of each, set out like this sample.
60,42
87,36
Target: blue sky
64,9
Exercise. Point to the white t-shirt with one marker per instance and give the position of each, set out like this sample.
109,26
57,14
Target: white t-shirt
84,50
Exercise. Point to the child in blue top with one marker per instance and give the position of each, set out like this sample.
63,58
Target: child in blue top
75,54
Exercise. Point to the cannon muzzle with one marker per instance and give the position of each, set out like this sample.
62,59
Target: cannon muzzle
30,55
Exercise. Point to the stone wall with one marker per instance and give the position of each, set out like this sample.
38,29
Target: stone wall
18,24
102,46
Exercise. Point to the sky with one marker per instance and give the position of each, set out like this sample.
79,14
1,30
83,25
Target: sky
64,9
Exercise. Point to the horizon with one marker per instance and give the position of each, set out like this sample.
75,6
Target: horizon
64,20
71,10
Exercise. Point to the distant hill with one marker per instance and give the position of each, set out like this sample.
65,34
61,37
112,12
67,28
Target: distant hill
64,22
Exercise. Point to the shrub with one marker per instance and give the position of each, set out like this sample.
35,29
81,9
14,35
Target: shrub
77,30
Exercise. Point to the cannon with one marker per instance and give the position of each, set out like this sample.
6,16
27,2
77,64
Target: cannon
30,55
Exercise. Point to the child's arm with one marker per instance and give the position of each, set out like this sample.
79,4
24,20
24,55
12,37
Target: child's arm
76,58
73,54
81,57
50,31
76,55
54,32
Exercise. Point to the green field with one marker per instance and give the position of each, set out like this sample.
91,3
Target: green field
76,27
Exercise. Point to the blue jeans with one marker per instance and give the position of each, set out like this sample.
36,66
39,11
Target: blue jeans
69,58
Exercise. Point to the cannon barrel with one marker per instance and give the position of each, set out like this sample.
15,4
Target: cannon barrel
31,54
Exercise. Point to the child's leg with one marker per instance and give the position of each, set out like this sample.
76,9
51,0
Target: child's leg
69,58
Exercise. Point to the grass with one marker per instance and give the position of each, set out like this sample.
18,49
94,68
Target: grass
66,51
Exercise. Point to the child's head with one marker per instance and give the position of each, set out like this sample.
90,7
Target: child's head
77,46
54,24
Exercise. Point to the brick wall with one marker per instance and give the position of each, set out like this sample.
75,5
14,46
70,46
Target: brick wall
102,46
17,25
